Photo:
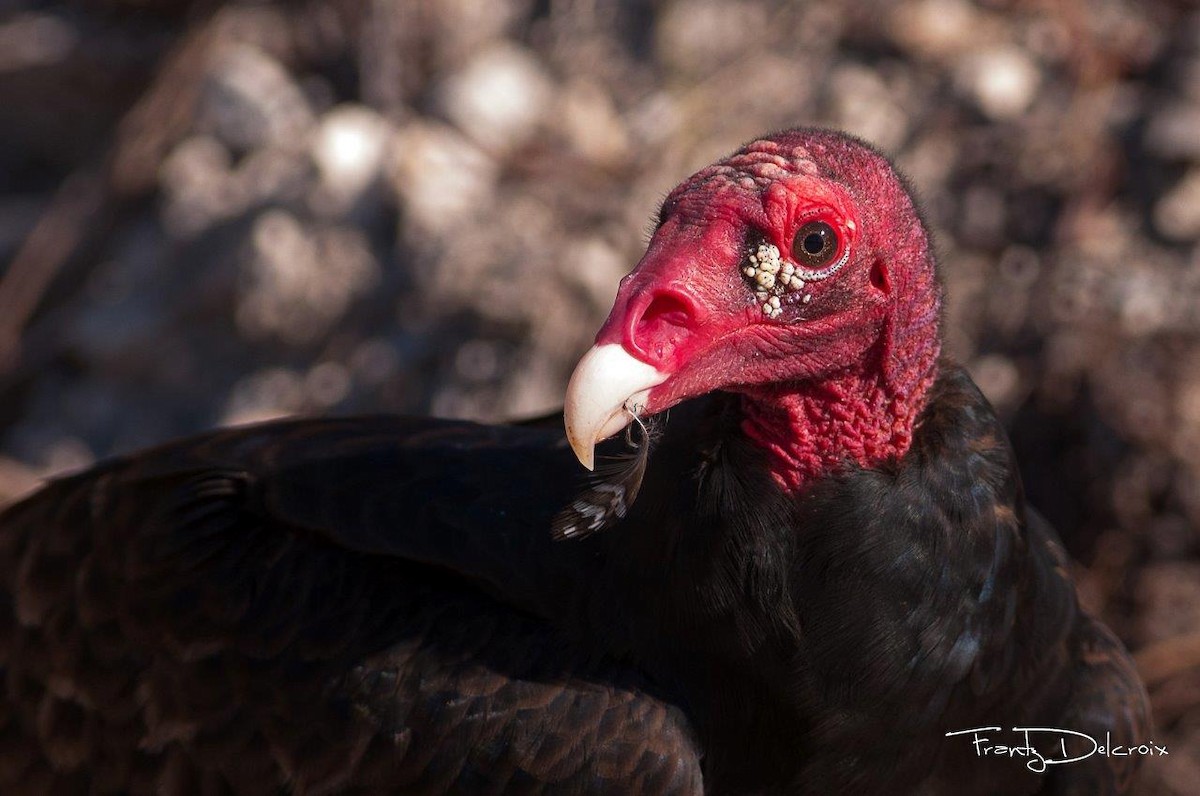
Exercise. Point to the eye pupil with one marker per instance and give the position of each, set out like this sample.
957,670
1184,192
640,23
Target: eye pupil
815,244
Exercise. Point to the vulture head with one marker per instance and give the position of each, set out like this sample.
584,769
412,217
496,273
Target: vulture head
796,273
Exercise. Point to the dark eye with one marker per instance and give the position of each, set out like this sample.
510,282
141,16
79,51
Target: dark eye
815,244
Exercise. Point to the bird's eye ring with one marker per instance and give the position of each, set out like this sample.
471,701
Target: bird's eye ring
815,244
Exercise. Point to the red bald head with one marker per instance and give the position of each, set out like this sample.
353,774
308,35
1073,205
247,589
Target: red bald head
793,262
691,310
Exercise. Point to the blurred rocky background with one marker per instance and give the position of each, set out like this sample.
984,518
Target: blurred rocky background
217,213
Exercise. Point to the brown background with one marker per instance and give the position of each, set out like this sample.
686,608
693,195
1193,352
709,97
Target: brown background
214,213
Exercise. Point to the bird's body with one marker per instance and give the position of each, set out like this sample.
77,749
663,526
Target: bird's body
377,605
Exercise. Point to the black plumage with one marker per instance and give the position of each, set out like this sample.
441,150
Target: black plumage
238,611
611,490
366,605
391,605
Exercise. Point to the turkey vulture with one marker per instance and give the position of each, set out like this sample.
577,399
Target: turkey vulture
815,573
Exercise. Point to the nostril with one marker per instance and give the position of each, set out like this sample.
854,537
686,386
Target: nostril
665,308
665,321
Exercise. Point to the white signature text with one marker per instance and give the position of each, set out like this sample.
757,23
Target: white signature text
1042,747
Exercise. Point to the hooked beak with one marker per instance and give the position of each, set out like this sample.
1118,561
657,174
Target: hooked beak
607,384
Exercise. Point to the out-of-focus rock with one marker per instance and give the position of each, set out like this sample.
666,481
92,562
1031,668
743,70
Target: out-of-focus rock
202,186
1002,80
867,107
656,119
1143,300
928,162
1169,595
597,267
31,40
297,282
442,179
697,36
498,97
464,27
592,124
349,148
999,379
327,384
478,360
374,361
1187,442
195,183
939,29
1172,132
250,100
726,115
1177,214
983,216
537,392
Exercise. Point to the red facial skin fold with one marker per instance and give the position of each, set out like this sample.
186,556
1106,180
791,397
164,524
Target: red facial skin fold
837,379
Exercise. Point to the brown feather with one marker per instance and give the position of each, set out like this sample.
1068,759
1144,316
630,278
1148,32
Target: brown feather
612,488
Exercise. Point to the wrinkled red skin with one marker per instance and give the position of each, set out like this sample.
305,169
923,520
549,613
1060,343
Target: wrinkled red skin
839,379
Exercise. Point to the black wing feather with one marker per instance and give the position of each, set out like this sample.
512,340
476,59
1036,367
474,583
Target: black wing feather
254,611
611,490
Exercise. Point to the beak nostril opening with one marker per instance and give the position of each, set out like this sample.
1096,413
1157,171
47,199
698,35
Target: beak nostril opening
665,308
664,322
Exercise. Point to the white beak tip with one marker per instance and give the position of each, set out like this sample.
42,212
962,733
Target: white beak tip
585,452
606,379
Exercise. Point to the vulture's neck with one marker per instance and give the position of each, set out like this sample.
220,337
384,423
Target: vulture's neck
863,415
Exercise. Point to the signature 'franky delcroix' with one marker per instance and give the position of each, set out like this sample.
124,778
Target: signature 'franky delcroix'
1042,747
